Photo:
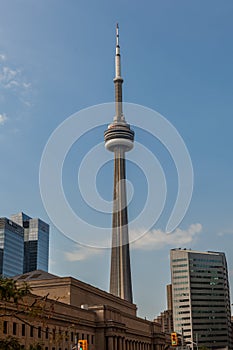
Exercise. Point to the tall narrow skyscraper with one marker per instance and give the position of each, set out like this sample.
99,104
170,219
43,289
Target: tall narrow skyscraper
24,245
119,139
11,248
36,242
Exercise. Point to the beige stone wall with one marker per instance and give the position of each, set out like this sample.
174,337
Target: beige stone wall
55,328
71,291
104,327
108,322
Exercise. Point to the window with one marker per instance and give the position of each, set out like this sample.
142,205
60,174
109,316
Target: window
180,259
72,336
31,331
66,336
14,328
180,271
23,330
92,339
5,327
39,332
46,333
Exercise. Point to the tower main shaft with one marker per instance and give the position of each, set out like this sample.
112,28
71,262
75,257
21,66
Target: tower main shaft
119,139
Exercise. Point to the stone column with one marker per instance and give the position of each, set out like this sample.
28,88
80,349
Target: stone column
115,347
123,344
110,343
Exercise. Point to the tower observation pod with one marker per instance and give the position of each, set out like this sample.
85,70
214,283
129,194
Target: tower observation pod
119,139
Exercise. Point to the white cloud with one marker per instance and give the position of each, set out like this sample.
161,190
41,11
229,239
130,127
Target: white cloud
3,118
13,79
225,232
26,85
157,239
12,84
82,253
9,77
154,239
2,57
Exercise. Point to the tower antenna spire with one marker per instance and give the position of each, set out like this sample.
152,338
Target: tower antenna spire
118,81
117,34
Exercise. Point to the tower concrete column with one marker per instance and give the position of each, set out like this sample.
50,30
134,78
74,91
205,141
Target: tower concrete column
119,139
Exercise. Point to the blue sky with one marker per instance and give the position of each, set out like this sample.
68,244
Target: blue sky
57,57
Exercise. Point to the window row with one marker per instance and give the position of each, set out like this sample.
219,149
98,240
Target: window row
37,331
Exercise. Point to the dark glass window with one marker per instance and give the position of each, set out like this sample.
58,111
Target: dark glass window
39,332
31,331
5,327
23,330
46,333
14,328
66,336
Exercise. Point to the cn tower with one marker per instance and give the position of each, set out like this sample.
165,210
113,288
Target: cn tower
119,139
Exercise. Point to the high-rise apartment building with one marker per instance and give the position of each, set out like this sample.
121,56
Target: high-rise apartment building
201,298
11,248
36,242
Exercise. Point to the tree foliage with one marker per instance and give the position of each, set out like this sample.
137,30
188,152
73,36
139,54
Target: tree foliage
10,291
17,301
35,347
10,343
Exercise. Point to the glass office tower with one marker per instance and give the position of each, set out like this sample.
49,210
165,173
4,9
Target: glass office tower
36,242
11,248
201,298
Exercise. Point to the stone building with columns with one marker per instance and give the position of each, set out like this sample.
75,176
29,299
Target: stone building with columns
81,311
